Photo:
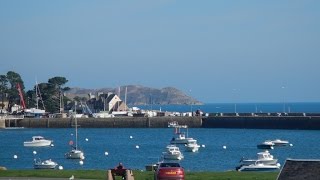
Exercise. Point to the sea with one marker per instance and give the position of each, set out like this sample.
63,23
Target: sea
104,148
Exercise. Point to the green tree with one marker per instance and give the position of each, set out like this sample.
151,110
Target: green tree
13,95
55,86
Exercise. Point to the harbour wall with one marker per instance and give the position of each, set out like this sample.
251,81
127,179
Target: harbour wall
242,122
115,122
263,122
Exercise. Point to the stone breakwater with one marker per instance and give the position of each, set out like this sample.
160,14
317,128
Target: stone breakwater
116,122
243,122
263,122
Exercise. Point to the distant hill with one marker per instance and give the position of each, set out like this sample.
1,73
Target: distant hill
140,95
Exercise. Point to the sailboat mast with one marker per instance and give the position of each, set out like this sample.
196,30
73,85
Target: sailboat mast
75,121
125,99
37,96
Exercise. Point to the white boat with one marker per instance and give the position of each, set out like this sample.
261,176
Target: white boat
47,164
75,153
192,145
266,145
279,142
173,124
36,112
263,157
258,167
172,153
102,114
180,137
37,141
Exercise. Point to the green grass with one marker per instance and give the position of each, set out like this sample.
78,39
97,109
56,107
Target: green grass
138,175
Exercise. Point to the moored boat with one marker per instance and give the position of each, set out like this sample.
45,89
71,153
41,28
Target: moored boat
258,167
75,153
266,145
37,141
263,157
172,153
46,164
278,142
192,145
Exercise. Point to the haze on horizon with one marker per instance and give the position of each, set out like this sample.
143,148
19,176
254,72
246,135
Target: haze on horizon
214,51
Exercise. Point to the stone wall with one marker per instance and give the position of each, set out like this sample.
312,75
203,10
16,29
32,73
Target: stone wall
116,122
263,122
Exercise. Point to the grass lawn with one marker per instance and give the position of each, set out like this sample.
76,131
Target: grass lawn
138,175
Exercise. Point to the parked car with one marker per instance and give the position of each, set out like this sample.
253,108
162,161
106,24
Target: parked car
169,170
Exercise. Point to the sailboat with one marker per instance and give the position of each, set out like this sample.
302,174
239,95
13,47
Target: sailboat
75,153
36,112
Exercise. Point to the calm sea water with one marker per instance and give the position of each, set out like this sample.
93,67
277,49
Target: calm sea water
151,142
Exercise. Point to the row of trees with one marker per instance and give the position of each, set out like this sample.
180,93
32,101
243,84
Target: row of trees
51,93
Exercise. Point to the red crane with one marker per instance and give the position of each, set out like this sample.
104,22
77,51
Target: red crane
22,103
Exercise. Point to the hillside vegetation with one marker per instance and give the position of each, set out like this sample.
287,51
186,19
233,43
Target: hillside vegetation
140,95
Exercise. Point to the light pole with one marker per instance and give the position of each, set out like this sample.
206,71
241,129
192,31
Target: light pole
235,104
284,99
191,104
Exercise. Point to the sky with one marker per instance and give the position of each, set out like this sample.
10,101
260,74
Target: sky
217,51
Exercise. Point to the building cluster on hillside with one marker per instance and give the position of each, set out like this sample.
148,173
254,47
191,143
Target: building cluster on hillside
99,105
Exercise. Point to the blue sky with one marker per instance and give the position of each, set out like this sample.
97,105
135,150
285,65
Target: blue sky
215,51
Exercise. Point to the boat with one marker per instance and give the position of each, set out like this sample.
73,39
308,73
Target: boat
36,112
75,153
180,137
47,164
192,145
257,166
266,145
37,141
102,114
279,142
172,153
263,157
173,124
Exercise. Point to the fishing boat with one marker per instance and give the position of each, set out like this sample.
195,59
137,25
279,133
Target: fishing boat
173,124
37,141
263,157
46,164
192,145
258,166
172,153
278,142
180,137
75,153
266,145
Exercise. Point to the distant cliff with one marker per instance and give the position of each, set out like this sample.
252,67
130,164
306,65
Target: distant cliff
139,95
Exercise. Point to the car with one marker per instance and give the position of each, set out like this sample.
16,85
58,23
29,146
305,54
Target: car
169,170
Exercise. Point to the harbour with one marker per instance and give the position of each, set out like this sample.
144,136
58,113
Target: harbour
222,151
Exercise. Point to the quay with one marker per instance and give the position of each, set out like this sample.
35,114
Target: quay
299,121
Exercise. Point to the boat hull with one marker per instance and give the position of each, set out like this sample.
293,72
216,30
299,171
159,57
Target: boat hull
255,168
172,157
37,144
192,148
47,164
252,161
42,166
75,154
264,146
